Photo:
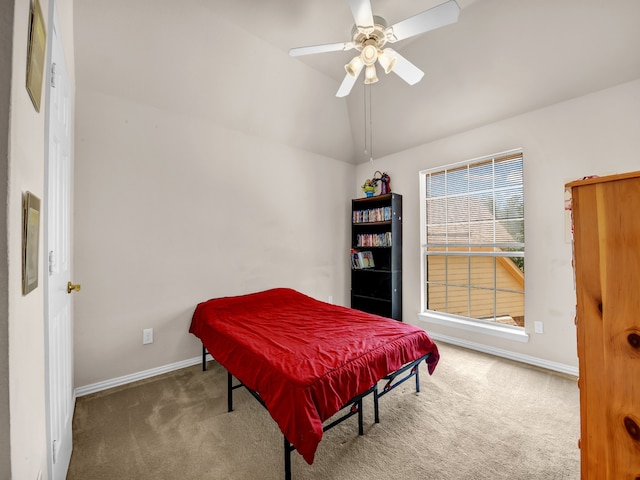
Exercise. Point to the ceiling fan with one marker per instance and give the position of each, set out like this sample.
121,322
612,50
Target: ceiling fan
369,36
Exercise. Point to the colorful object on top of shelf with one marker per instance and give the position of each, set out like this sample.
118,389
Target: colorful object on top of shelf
370,184
385,182
369,188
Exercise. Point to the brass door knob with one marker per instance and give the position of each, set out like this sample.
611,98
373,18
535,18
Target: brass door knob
71,287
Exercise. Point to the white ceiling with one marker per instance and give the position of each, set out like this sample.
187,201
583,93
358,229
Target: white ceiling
502,58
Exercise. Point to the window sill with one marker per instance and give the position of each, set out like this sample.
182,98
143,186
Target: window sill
496,330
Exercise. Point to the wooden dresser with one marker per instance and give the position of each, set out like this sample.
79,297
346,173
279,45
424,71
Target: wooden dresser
606,220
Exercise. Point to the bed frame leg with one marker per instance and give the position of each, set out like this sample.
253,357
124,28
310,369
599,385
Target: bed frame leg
204,358
229,392
360,418
287,459
376,408
417,379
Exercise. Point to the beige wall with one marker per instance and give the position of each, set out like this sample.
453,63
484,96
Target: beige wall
26,325
26,341
593,134
190,183
172,210
6,44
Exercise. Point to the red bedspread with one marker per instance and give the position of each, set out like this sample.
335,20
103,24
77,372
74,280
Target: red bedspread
305,358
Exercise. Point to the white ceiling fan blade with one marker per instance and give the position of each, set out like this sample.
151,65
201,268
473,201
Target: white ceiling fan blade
436,17
405,69
347,84
329,47
362,13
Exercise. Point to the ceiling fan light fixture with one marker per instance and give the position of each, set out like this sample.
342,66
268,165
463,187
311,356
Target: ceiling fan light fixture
354,66
370,75
386,59
369,54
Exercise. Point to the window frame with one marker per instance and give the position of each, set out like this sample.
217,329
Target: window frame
475,325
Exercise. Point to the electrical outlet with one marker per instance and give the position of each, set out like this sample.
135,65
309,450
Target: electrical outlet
147,336
538,327
330,298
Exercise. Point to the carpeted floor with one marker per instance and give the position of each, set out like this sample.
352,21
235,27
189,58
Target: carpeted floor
478,417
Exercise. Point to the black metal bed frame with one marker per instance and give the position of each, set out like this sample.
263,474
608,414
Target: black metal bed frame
354,405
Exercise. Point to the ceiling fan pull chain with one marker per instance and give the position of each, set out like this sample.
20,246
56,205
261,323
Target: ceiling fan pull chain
364,103
370,127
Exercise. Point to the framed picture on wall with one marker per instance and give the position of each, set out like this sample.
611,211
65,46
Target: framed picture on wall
35,54
30,237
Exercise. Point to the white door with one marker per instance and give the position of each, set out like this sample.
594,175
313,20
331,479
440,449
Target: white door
59,333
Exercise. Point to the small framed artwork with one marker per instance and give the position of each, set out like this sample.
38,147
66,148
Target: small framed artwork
35,54
30,237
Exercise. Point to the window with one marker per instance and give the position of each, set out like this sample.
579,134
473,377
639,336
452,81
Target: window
473,240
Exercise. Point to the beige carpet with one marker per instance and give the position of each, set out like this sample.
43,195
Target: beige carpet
477,417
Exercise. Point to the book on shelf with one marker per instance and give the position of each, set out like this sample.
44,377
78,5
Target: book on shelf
366,259
373,215
355,260
362,260
374,240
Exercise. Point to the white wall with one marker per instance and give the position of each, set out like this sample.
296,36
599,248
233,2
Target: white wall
595,134
190,182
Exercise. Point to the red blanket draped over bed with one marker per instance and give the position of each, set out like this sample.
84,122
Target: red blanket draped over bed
305,358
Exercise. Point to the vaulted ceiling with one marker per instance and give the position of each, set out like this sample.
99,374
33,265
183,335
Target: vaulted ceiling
502,58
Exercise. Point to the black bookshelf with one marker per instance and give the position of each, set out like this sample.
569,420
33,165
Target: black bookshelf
376,248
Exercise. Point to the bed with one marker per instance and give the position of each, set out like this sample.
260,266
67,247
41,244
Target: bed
305,360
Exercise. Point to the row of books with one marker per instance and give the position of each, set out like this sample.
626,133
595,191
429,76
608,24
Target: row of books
361,260
381,214
374,240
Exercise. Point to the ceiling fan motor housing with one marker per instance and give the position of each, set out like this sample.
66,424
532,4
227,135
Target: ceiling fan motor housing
362,36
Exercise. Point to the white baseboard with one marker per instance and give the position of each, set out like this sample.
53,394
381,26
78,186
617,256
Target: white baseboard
518,357
134,377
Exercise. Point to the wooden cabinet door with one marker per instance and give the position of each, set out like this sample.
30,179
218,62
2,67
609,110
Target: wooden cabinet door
607,266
